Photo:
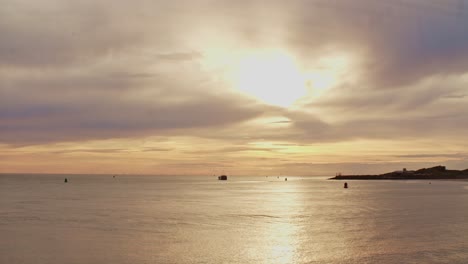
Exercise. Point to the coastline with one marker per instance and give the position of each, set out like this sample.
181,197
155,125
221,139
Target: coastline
435,173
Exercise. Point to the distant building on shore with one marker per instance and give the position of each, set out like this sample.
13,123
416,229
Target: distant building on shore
404,171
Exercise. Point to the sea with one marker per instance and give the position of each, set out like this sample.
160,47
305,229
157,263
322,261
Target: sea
133,219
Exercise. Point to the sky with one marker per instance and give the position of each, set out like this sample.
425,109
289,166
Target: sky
184,87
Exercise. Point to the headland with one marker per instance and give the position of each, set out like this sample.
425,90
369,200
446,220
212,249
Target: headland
434,173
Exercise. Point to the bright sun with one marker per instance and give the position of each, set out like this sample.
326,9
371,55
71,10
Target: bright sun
271,77
274,77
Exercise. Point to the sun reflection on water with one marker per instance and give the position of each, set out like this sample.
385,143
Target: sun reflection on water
281,235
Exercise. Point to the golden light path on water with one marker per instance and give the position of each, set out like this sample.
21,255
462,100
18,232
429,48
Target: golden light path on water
279,236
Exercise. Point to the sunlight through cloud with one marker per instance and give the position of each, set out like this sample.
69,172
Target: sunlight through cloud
271,76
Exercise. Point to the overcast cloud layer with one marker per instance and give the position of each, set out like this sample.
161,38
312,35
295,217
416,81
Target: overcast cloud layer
74,71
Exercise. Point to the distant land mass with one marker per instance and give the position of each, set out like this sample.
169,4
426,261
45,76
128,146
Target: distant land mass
434,173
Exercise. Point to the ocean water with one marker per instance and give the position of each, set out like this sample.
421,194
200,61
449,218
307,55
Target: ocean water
143,219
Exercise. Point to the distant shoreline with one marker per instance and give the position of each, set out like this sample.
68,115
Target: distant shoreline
435,173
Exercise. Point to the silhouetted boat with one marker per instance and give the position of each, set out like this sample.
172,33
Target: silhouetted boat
222,178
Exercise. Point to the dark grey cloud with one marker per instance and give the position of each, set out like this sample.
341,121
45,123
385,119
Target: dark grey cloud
97,118
402,41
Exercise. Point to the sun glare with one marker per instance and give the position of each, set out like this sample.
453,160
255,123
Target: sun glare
271,77
275,77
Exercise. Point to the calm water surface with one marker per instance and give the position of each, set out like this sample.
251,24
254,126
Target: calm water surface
144,219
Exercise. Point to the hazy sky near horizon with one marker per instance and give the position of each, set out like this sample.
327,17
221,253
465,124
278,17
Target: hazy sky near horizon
303,87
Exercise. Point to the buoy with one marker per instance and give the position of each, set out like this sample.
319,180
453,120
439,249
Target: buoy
66,180
346,185
285,179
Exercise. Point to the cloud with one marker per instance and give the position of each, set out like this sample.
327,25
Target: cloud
61,33
437,155
180,56
102,69
235,149
100,118
76,71
107,150
400,42
396,128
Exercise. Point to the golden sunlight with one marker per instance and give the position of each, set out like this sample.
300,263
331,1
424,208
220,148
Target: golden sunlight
328,72
277,77
272,77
